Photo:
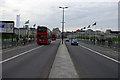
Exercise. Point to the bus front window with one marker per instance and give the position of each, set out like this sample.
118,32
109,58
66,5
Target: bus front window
41,29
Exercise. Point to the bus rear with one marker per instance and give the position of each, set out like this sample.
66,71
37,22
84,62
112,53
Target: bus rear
53,36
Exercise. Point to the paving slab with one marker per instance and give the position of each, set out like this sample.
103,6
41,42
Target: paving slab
63,66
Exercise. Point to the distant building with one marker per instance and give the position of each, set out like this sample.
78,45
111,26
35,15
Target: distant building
16,30
57,32
90,32
25,31
108,31
26,26
33,31
99,34
111,34
66,34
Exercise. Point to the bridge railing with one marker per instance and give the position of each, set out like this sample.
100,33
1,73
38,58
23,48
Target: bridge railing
7,43
113,45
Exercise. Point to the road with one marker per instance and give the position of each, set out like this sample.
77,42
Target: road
31,61
35,61
89,64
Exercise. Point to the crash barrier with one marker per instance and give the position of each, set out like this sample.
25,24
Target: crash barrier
7,43
108,44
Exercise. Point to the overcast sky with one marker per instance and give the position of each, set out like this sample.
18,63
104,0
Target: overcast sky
47,12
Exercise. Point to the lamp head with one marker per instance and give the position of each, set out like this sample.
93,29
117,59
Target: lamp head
63,7
66,7
60,7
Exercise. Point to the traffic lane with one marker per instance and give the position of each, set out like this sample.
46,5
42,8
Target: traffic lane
91,65
26,60
108,52
35,64
16,51
98,65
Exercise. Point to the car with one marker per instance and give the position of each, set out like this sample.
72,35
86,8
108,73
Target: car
74,42
67,39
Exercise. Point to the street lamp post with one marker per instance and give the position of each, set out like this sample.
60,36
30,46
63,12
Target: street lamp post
63,23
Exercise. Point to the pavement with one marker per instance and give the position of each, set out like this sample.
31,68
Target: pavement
63,66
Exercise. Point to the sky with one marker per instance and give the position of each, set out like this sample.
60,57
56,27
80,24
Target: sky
79,13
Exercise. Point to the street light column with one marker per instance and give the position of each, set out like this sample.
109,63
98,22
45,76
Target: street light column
63,23
63,27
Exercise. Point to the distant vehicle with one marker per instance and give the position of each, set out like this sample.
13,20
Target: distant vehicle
43,35
53,36
67,40
74,42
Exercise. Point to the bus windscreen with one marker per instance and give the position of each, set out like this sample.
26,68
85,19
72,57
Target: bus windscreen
41,29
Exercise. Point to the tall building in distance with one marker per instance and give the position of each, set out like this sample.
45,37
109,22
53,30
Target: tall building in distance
57,32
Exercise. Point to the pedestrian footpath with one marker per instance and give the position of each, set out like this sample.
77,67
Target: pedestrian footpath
63,66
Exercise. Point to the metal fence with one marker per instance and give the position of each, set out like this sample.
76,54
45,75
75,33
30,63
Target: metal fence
113,45
7,43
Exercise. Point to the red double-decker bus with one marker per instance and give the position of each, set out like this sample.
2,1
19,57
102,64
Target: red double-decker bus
53,36
43,35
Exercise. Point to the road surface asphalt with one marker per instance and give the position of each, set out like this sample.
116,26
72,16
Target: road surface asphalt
35,61
91,65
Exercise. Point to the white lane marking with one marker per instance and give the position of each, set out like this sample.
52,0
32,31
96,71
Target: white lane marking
101,54
19,55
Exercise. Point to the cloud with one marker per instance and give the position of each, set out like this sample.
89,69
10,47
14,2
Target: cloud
77,15
105,14
2,3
